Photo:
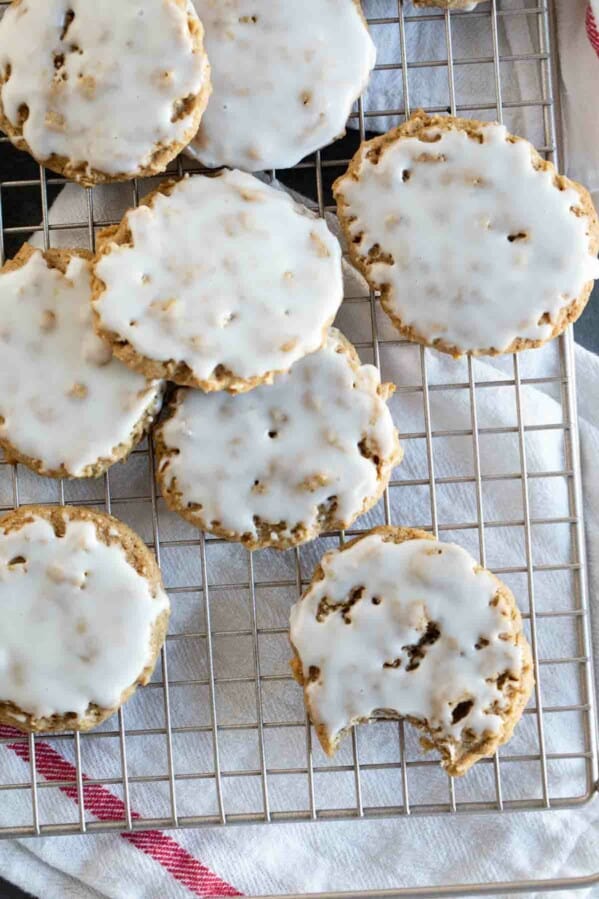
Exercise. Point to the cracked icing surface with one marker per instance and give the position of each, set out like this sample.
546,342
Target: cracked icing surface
414,627
283,462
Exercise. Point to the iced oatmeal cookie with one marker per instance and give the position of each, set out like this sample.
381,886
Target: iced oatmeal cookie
283,463
217,282
83,614
286,76
475,242
102,91
68,408
397,624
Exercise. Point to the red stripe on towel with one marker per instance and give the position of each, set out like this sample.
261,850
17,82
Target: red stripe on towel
592,29
104,806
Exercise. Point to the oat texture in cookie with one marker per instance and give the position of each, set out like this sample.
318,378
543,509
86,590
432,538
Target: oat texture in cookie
398,624
68,408
102,91
83,615
285,78
277,466
475,242
217,282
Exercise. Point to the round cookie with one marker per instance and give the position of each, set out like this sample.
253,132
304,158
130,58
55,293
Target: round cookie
102,91
477,245
286,76
83,614
283,463
397,624
217,282
68,408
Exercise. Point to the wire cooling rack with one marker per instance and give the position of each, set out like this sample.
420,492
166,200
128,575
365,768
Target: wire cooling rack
220,735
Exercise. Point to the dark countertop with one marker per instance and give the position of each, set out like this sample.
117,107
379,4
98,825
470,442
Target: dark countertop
8,891
23,207
586,329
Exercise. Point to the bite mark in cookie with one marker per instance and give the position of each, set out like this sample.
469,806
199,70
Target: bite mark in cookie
400,625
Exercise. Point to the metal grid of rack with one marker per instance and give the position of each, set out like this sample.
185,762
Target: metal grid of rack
220,736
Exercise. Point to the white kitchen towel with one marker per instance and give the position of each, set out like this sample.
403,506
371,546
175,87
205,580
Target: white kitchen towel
579,68
354,855
431,84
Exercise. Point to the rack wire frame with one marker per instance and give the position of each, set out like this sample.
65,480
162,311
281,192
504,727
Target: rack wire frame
266,771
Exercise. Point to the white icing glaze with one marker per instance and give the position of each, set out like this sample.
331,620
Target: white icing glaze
285,78
111,103
76,619
280,451
415,582
224,271
64,399
456,275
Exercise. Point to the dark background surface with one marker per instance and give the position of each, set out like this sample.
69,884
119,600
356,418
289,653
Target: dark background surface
8,891
22,206
586,330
